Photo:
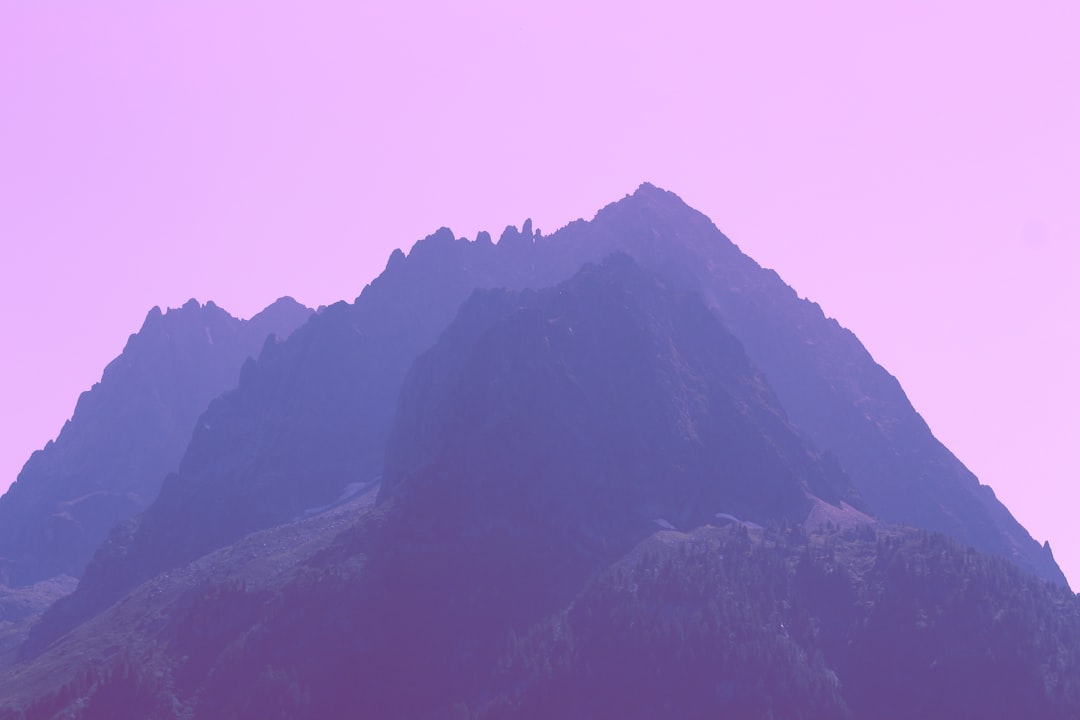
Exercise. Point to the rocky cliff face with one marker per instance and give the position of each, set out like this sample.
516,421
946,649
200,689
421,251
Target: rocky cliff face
126,434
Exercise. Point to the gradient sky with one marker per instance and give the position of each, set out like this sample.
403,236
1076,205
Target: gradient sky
912,166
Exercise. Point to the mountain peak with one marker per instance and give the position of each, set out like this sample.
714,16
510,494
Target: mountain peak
197,312
647,189
284,302
657,198
126,434
152,318
651,215
284,308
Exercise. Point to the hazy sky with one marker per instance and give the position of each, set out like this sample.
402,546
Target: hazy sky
912,166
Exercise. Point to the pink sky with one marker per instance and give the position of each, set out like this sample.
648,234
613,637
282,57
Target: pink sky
912,166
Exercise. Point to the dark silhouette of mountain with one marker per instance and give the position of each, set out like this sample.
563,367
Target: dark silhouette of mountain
570,525
862,623
311,417
127,432
544,435
640,370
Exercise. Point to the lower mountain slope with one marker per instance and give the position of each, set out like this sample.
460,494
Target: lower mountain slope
866,623
148,655
21,607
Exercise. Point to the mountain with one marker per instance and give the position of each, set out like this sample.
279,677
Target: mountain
830,386
310,419
594,505
126,434
307,423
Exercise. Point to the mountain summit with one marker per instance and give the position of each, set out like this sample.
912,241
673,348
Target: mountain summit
831,387
127,433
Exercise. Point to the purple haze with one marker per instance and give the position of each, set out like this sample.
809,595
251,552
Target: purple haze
912,167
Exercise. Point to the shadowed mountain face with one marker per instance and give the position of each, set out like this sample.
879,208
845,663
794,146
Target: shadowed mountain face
541,438
127,432
608,364
311,418
545,544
